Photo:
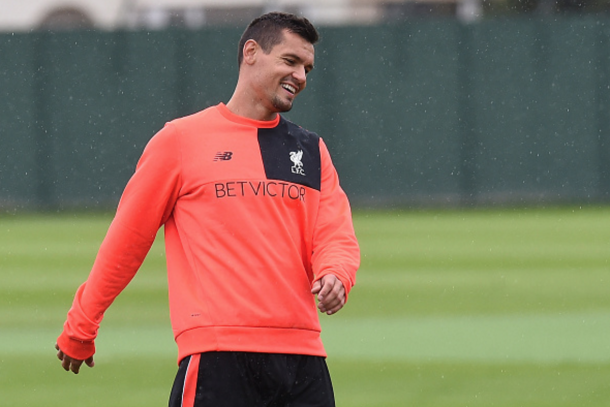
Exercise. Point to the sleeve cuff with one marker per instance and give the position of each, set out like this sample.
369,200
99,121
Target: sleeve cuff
79,350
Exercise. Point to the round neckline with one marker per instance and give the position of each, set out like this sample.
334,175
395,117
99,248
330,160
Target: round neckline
224,110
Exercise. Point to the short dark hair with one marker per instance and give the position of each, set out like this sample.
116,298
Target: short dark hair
267,31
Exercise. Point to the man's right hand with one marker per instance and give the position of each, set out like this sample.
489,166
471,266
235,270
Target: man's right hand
70,364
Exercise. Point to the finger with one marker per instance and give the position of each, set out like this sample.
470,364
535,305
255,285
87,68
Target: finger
330,303
334,308
327,284
90,362
316,287
65,363
60,354
327,305
334,301
65,359
75,366
331,290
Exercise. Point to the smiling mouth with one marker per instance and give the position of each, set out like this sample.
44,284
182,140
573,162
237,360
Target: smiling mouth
290,88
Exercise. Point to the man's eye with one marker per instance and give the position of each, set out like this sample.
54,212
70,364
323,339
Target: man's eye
289,61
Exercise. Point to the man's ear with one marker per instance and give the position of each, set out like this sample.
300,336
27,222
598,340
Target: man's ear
251,49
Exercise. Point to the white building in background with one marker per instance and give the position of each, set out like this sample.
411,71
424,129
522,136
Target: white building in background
28,15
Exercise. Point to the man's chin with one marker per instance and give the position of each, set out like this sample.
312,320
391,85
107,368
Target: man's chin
282,105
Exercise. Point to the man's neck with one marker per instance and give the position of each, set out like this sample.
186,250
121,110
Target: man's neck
250,109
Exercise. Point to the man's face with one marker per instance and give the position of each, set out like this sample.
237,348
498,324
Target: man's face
282,73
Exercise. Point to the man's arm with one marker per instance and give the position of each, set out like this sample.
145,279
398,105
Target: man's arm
336,254
145,205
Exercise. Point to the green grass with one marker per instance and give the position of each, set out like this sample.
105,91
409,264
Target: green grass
451,308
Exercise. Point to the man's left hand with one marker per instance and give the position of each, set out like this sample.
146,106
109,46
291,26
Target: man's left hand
331,294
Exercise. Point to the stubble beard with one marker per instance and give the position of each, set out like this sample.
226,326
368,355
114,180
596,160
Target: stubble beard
281,105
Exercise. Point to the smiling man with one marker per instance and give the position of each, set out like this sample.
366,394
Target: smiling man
273,70
256,226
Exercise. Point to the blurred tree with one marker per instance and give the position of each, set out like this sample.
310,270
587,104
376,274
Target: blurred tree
66,19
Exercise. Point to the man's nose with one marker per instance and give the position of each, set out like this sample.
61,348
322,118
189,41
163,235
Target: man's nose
301,76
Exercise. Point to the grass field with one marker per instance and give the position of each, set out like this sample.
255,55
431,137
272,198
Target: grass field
452,308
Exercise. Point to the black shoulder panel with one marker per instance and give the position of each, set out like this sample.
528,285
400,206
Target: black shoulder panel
291,153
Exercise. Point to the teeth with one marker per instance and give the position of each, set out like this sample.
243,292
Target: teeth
289,88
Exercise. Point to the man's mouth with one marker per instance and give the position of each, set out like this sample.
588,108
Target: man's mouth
290,88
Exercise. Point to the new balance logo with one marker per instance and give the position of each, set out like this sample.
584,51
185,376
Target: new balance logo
223,156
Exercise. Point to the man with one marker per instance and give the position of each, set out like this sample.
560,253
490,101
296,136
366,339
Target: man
256,226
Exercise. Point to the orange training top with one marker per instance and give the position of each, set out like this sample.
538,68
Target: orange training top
253,214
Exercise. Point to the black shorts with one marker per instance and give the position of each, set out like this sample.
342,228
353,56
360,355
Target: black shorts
244,379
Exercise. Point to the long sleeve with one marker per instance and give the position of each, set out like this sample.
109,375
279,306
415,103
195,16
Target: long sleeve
335,248
145,205
247,206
